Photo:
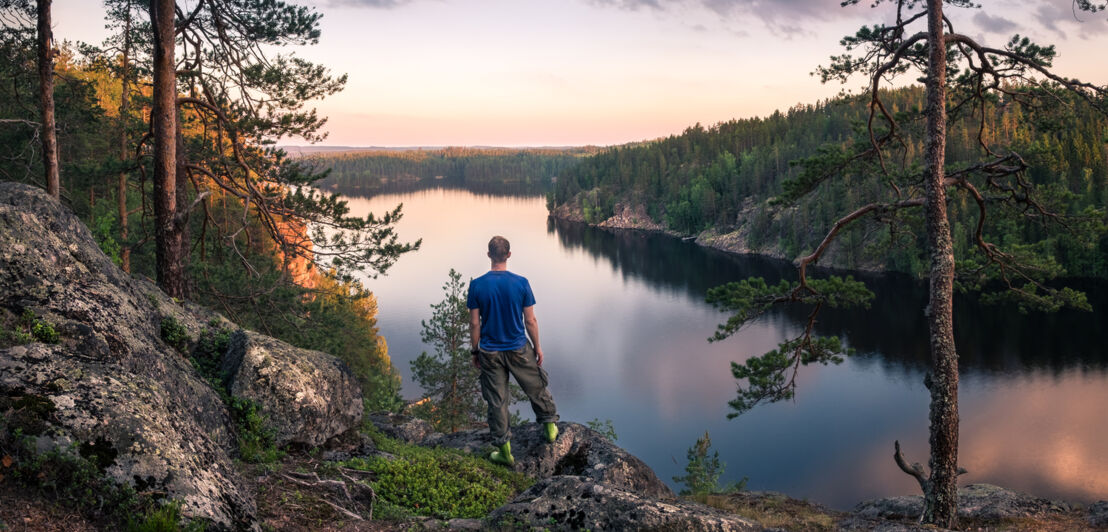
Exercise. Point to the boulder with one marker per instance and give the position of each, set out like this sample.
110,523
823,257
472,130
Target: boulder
1098,514
111,385
574,503
578,451
404,428
984,502
308,396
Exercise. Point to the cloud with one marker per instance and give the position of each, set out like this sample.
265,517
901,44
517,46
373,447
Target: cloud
629,5
994,24
1063,20
372,4
785,17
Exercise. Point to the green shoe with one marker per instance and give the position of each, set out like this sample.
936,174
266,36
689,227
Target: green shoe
503,455
551,432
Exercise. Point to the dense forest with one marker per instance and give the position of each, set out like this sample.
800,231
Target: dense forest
247,223
367,171
723,178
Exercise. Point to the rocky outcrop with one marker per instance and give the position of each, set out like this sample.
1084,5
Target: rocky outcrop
112,389
631,217
404,428
983,502
578,451
570,503
309,397
112,383
1098,514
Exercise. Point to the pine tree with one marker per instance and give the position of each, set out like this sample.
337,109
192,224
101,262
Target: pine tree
453,393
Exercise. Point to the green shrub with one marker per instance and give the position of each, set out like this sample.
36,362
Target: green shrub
174,333
441,483
207,357
605,428
256,438
28,328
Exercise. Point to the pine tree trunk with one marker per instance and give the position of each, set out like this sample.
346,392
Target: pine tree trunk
941,499
124,146
182,219
46,99
171,247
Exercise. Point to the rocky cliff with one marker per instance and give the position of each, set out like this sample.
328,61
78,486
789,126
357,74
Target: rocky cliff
112,388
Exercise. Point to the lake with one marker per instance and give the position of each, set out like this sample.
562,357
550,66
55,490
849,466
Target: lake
624,327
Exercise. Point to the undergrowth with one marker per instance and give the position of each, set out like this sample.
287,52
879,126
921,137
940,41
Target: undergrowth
25,329
66,477
256,438
174,333
438,482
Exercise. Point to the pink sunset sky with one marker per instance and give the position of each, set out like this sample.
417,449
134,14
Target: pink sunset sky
575,72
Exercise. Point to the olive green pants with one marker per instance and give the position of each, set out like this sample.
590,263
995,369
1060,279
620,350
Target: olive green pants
521,363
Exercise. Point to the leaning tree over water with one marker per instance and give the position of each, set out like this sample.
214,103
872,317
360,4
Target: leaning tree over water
965,80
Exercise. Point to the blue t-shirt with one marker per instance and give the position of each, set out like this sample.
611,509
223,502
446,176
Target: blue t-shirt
501,297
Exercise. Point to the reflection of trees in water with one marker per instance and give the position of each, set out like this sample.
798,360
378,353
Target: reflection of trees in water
892,332
480,188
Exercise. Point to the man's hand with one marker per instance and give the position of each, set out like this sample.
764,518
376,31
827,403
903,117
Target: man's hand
538,355
476,362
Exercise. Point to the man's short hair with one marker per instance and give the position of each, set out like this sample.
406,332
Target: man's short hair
499,249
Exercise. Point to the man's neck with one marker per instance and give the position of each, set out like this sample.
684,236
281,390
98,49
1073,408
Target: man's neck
499,266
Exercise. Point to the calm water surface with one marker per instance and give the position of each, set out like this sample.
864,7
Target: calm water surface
623,324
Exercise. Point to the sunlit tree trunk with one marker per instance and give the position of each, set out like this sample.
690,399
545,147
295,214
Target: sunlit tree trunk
124,145
46,99
171,247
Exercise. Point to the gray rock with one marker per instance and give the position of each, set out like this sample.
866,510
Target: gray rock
977,501
573,503
465,524
309,396
404,428
1098,514
578,450
113,384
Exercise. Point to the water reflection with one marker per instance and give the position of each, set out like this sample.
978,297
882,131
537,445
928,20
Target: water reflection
991,338
624,327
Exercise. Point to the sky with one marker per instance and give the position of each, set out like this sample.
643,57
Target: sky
600,72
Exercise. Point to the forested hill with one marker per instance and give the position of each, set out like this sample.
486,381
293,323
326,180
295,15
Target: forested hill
717,182
372,170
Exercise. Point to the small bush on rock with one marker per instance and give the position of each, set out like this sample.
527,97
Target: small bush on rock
174,334
28,328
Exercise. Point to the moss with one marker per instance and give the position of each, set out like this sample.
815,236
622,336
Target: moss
773,511
441,483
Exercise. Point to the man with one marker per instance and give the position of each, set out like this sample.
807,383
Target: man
501,310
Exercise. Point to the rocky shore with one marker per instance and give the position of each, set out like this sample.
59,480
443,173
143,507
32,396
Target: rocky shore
736,241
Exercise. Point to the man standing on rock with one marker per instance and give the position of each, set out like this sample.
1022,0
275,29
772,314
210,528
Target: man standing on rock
501,317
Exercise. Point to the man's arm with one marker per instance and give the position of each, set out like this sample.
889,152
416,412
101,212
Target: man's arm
475,333
532,324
